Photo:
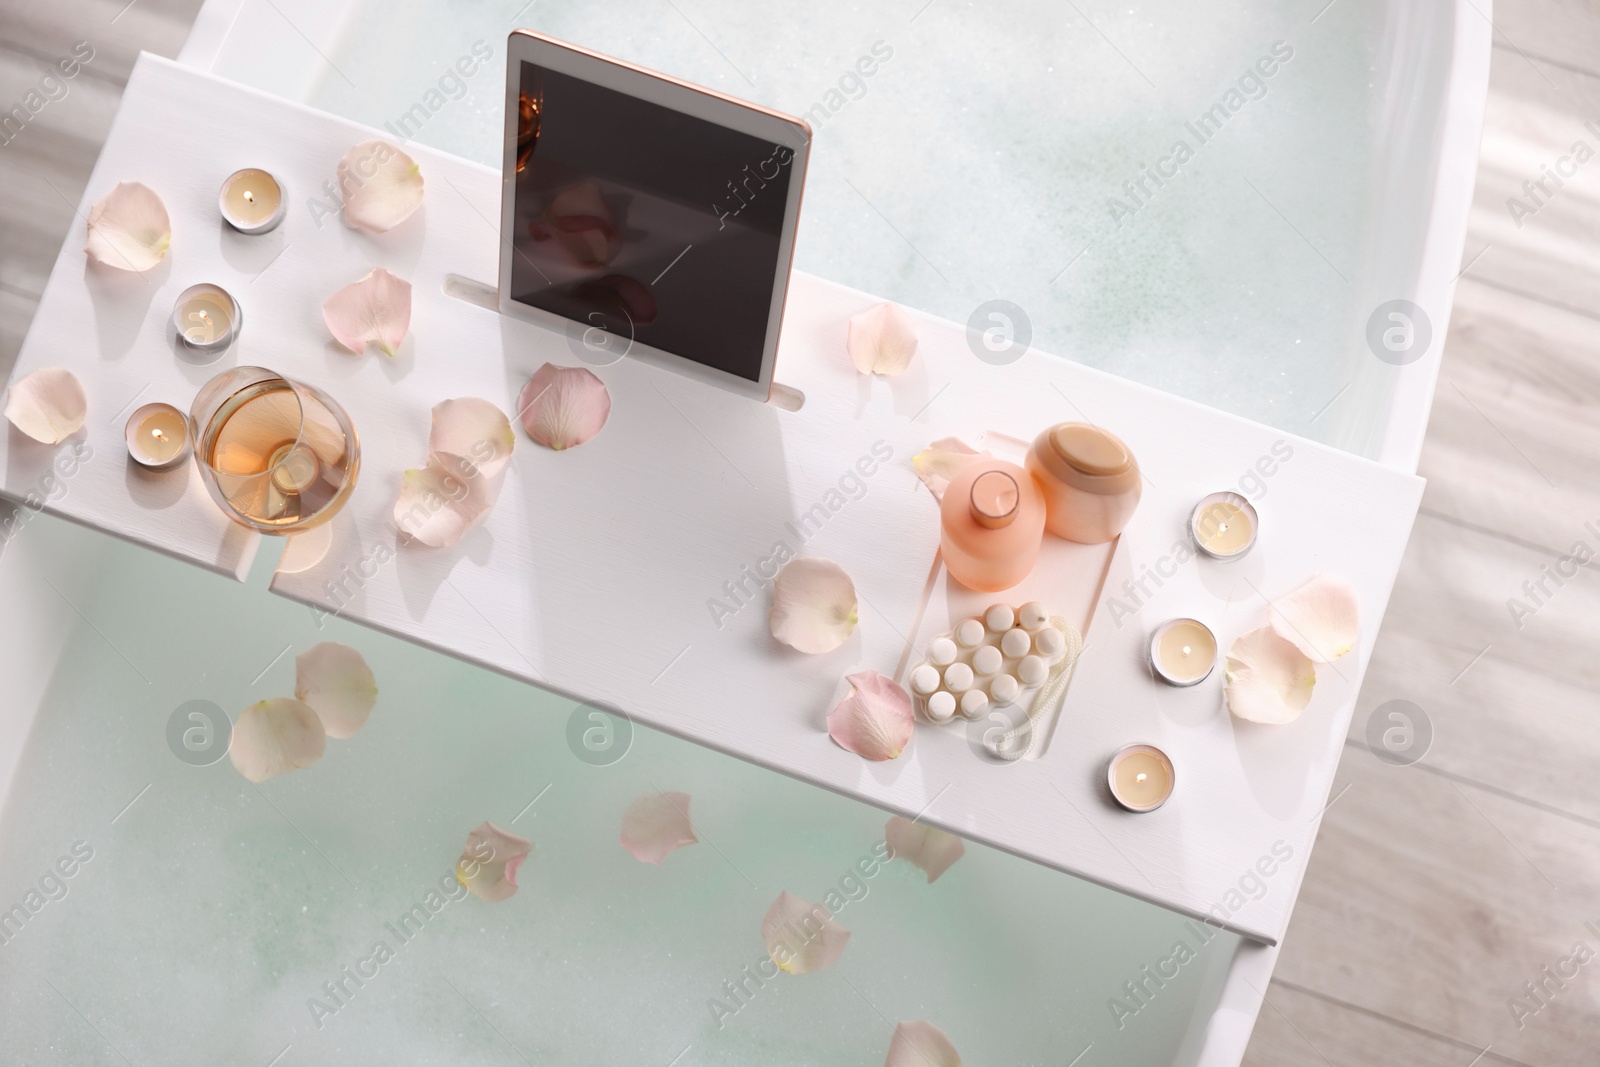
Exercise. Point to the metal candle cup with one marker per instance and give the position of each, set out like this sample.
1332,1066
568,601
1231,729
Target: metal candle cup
207,317
252,201
1183,652
158,437
1141,778
1224,525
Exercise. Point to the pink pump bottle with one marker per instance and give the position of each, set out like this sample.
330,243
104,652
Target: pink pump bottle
992,524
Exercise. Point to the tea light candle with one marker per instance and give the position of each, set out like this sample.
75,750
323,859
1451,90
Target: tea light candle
1183,651
1223,525
1141,778
252,201
157,437
206,317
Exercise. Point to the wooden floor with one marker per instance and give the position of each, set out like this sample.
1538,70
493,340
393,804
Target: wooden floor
1436,890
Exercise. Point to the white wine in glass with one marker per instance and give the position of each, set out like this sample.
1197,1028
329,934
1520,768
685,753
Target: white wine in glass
277,455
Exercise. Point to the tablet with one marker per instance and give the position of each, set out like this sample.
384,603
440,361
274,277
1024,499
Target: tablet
645,217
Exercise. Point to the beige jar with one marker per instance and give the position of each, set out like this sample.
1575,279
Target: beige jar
1090,481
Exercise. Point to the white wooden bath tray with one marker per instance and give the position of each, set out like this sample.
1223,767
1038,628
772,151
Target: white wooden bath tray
682,499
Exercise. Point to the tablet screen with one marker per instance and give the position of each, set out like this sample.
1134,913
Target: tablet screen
646,222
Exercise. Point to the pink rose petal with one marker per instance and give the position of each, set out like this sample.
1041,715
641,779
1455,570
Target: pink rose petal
129,228
48,405
655,825
881,340
274,737
562,407
381,186
813,605
1269,679
940,462
488,865
926,847
475,430
374,310
800,936
334,681
439,503
921,1044
874,720
1320,618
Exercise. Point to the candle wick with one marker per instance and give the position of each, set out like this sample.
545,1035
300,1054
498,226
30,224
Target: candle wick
248,195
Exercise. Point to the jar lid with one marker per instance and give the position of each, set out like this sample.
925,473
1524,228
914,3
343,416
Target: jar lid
995,497
1089,449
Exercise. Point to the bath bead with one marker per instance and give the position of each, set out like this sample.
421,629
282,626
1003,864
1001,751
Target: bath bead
942,652
974,704
1032,670
999,618
986,660
1016,643
941,707
1032,615
958,677
1003,689
925,679
969,633
1049,644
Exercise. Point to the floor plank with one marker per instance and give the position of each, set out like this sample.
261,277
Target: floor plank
1510,708
43,168
1516,420
1544,241
117,30
1553,31
1298,1028
16,312
1430,903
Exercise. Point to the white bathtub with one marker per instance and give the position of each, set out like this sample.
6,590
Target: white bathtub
979,161
1247,283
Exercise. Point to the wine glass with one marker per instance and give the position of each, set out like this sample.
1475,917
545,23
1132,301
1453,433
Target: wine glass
277,455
